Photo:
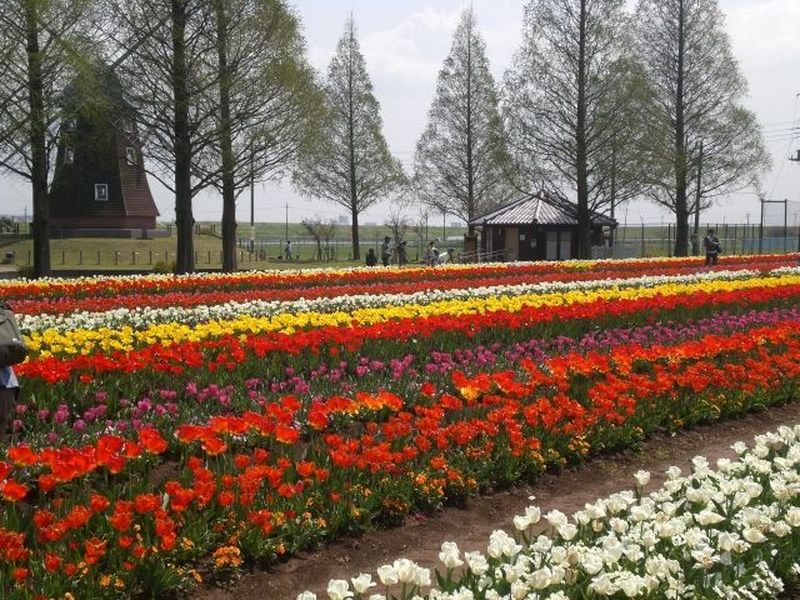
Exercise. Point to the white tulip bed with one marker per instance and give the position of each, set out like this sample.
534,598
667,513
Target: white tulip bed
732,533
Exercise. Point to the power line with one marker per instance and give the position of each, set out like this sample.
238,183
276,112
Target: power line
788,148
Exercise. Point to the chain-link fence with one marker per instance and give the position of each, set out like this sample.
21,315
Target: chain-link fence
651,240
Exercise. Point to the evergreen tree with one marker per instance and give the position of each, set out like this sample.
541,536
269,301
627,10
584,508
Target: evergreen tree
461,164
695,113
348,161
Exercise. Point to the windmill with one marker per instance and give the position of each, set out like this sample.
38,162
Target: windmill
100,186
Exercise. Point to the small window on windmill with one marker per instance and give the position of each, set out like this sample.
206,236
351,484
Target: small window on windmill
130,155
69,155
101,192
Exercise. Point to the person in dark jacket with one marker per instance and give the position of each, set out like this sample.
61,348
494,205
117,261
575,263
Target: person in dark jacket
9,392
711,243
386,251
402,256
372,258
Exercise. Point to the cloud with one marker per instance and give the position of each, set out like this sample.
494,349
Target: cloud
412,52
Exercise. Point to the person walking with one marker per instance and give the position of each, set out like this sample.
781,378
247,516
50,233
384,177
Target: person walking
711,244
386,251
9,392
432,257
287,251
402,256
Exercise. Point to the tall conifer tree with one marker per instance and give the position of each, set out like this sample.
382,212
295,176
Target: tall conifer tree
348,161
461,166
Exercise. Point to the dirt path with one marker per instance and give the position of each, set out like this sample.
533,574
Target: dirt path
470,527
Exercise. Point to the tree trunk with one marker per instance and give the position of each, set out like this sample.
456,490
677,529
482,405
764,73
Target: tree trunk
470,158
352,148
681,205
41,210
581,159
184,221
226,145
354,231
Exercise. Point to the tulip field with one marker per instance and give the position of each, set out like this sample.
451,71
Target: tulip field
173,430
729,533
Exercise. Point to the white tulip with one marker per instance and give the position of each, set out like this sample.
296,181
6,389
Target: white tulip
476,562
405,570
521,522
602,585
753,535
556,518
793,517
362,583
540,579
708,517
592,564
421,576
781,529
642,478
339,589
388,575
450,555
567,531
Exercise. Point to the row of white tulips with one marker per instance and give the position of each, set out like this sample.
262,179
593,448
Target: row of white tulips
731,533
142,317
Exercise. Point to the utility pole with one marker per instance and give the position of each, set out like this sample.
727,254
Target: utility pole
252,202
444,228
287,221
613,187
699,196
796,159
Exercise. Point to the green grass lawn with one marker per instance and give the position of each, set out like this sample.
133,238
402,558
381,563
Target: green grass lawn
125,254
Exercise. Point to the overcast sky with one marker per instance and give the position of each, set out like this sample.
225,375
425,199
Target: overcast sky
405,42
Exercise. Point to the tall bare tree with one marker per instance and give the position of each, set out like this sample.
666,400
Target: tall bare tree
566,101
41,50
168,44
349,162
461,164
696,91
267,98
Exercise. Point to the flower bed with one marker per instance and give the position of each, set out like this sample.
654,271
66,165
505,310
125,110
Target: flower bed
104,293
251,438
729,534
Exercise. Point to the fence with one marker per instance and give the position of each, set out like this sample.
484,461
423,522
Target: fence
649,240
644,240
263,253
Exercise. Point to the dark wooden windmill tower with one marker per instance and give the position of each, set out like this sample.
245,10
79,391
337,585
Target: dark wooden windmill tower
99,186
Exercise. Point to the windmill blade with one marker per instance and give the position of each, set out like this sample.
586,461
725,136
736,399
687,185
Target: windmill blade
125,55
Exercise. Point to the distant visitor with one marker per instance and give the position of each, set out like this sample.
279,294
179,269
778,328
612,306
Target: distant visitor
372,258
711,243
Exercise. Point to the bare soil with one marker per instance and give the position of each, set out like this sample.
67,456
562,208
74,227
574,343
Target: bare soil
420,539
